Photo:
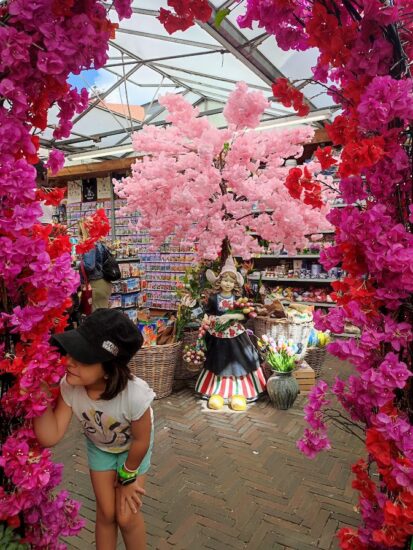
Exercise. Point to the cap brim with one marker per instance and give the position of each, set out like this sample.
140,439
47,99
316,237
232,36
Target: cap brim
74,344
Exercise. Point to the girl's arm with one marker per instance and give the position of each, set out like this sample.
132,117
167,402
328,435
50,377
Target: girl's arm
52,425
141,437
130,495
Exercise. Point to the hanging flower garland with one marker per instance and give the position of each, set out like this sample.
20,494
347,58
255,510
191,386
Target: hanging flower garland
42,43
364,49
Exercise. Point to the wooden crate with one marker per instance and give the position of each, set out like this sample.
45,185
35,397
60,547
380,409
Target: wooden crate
305,376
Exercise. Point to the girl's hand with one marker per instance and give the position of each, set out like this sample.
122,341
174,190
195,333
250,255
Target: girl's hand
130,497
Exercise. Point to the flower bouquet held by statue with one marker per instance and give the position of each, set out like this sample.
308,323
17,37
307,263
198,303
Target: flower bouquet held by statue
232,373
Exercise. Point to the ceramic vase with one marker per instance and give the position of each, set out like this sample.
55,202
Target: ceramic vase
282,389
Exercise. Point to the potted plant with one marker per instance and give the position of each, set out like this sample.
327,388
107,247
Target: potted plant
281,357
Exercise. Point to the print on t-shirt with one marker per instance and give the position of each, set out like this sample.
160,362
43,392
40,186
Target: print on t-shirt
103,429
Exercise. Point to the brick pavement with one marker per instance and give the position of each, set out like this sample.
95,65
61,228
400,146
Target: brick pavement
225,480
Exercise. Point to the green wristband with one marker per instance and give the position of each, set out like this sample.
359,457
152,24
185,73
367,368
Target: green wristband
125,475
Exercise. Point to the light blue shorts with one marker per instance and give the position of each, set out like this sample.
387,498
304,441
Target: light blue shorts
101,461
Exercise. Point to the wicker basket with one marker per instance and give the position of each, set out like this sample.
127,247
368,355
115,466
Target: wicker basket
156,365
283,328
315,357
183,370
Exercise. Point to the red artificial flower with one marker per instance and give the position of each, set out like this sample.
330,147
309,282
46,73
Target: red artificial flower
356,288
354,89
58,245
343,129
354,260
363,483
397,515
391,537
85,246
378,447
33,158
299,181
292,182
289,96
184,15
13,522
98,224
331,37
361,154
62,8
51,197
350,540
325,157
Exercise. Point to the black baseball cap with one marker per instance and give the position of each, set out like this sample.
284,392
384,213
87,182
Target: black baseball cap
105,335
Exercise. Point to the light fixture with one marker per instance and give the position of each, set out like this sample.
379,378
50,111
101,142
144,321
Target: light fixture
294,120
121,149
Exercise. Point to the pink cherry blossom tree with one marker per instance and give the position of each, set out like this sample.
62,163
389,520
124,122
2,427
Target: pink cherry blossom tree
223,187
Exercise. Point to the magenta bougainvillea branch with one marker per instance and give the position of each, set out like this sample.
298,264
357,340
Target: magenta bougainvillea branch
42,42
364,52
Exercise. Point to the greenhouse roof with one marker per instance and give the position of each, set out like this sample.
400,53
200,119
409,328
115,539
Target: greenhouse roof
204,63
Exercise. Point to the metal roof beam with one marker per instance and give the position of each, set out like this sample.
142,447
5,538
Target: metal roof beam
234,41
133,128
151,66
141,11
171,39
155,115
165,58
211,77
107,92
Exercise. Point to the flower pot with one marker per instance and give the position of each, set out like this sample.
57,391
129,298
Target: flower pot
282,389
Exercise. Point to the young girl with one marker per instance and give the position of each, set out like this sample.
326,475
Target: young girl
114,409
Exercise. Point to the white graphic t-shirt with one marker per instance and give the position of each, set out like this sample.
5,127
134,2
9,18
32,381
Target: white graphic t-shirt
107,423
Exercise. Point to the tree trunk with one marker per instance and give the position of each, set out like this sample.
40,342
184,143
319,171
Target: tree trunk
225,251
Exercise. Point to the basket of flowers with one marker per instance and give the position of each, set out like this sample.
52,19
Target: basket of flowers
317,350
294,325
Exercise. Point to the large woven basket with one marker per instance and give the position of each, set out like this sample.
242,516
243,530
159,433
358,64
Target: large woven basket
283,328
315,357
156,365
184,371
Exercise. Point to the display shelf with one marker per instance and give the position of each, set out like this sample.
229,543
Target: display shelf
162,308
160,263
163,291
134,260
161,271
316,304
292,280
288,257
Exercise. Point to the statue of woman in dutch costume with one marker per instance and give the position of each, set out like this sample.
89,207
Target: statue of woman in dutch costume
232,373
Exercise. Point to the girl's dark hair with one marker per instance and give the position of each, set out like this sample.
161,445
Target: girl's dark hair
118,375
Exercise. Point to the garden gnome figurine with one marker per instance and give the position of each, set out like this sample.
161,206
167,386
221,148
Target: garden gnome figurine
232,373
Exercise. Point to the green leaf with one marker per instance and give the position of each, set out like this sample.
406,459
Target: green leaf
220,16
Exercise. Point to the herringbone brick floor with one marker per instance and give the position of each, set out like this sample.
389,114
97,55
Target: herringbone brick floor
225,480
